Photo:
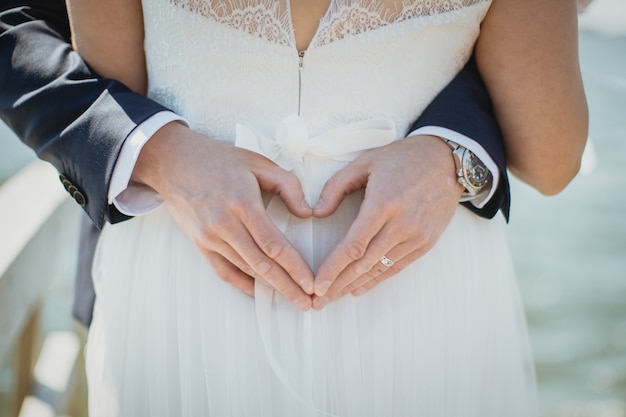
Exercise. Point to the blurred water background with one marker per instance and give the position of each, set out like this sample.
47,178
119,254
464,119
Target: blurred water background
569,250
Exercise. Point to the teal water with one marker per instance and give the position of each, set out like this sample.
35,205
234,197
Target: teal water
569,253
13,154
570,256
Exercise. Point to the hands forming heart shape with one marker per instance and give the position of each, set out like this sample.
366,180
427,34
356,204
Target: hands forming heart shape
213,190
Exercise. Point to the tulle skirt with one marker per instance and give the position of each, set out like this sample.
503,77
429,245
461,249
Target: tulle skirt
444,338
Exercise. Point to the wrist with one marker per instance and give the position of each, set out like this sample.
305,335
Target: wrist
443,164
153,158
470,171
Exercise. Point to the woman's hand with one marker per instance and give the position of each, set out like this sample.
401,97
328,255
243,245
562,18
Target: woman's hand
213,191
411,194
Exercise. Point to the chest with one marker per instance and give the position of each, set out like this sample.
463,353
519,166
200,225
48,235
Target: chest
305,23
219,63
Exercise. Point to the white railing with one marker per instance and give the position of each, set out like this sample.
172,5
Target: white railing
38,235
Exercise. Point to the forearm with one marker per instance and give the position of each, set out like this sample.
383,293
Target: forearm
465,108
58,106
527,53
109,36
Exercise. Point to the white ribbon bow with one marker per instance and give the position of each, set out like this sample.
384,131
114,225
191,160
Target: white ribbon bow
288,149
292,141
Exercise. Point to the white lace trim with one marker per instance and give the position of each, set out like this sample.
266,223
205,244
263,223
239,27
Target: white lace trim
265,19
271,20
352,17
216,75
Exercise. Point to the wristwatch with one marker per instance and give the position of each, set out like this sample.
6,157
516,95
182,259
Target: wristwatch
471,172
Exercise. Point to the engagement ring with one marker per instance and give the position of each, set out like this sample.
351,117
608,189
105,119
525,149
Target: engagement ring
386,261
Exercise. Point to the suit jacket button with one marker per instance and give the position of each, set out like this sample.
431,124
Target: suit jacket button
66,183
71,188
79,197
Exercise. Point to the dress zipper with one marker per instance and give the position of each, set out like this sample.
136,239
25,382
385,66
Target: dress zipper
300,65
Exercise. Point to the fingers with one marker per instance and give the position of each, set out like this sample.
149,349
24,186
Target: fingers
369,267
372,278
364,273
261,248
239,259
230,273
235,271
353,256
276,246
350,282
284,184
346,181
212,190
410,197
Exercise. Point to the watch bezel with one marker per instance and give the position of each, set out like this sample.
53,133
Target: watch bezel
470,163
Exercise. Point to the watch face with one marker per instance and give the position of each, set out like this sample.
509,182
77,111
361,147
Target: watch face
475,171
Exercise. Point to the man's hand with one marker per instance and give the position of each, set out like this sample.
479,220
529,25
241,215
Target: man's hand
411,194
213,191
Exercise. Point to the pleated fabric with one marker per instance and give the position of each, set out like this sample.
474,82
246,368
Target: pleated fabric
444,338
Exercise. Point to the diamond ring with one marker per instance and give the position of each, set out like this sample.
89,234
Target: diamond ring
386,261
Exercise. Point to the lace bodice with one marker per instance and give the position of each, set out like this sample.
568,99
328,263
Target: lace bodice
219,63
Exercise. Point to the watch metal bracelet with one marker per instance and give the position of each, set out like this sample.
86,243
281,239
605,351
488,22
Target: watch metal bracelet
471,172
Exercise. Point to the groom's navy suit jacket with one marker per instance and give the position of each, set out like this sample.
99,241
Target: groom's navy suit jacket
78,121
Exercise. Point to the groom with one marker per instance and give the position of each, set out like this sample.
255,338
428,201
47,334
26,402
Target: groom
86,125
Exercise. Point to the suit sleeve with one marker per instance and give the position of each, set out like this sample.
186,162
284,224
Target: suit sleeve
465,107
58,107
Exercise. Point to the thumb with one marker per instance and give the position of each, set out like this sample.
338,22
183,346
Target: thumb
349,179
287,186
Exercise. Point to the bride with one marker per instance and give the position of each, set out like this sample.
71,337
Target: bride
367,293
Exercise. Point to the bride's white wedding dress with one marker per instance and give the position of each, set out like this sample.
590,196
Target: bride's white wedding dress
444,338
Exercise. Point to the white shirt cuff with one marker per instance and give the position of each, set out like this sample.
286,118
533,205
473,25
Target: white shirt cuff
483,197
129,198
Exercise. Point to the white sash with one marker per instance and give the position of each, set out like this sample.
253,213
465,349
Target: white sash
287,150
